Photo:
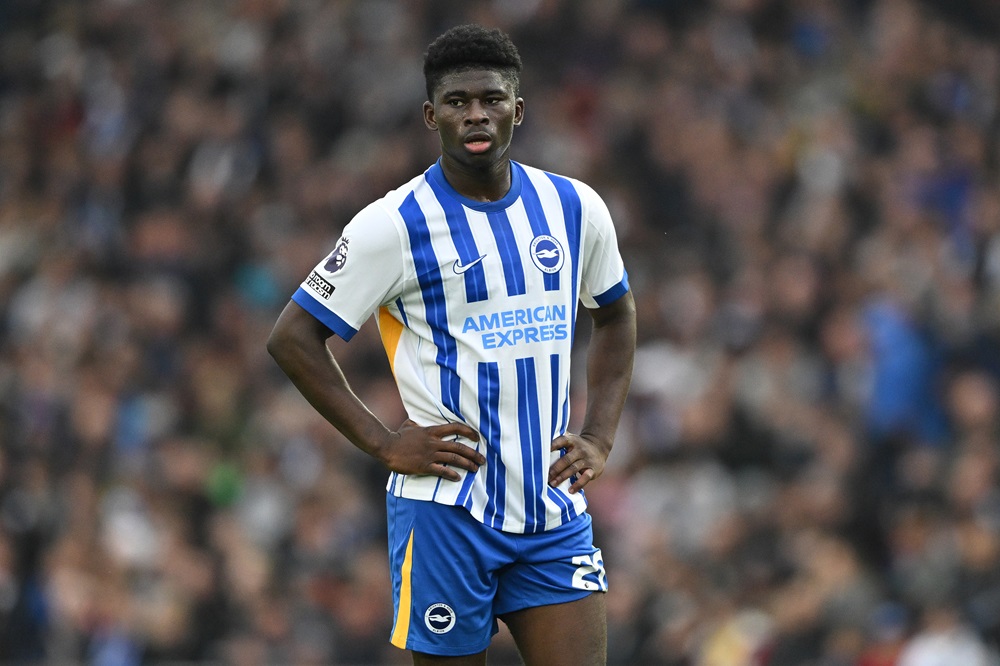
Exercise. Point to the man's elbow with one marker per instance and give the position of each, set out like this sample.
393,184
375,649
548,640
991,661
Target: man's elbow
277,344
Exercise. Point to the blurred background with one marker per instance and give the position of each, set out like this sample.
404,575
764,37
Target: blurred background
807,196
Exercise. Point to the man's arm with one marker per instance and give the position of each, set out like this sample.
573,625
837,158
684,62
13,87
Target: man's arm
298,345
609,373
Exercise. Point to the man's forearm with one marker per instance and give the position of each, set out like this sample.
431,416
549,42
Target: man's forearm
609,369
328,392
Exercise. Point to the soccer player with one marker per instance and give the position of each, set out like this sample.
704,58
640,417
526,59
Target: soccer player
474,270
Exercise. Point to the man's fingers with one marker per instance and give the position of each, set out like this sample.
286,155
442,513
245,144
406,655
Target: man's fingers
465,452
452,429
439,469
566,467
456,459
444,430
558,468
582,480
444,450
445,462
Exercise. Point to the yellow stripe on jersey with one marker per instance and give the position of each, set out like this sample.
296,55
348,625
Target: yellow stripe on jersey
390,329
401,629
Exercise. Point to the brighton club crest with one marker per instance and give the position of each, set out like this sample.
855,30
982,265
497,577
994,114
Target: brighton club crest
440,618
547,254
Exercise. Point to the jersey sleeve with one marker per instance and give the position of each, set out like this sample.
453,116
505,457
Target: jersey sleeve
604,279
363,271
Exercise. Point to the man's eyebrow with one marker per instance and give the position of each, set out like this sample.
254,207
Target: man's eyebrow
466,93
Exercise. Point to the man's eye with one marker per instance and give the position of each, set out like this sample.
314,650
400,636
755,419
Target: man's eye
455,102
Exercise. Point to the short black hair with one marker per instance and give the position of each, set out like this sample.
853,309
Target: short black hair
471,46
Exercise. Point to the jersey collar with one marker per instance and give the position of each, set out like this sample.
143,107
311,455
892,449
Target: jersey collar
513,193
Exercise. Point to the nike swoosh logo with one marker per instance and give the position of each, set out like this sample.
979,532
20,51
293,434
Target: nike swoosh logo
459,268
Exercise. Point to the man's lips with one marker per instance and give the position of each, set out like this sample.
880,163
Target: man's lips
478,142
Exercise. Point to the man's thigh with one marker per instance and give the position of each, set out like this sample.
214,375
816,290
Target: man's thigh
552,599
571,634
421,659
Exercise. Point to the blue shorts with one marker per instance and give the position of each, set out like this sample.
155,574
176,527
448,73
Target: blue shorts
452,576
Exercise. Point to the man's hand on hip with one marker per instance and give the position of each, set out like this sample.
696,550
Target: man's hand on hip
584,458
415,449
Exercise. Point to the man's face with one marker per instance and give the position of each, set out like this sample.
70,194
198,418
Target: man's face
474,112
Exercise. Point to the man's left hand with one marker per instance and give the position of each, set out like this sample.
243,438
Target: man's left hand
584,458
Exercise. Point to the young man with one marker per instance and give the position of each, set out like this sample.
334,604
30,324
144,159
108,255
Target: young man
475,269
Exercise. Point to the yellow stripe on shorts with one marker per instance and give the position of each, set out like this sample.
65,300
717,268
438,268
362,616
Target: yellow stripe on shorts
401,628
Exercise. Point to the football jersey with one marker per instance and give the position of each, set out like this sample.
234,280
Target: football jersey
476,304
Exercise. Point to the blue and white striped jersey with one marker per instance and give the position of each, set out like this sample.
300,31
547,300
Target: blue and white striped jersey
476,304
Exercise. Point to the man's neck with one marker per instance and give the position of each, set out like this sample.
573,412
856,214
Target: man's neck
490,184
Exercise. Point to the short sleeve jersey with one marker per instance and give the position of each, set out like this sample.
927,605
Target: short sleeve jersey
476,304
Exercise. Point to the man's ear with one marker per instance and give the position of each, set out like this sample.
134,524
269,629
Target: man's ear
518,111
429,120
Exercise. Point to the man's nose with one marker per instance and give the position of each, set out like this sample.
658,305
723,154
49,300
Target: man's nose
476,114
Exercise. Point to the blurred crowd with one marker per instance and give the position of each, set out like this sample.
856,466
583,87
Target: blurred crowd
807,196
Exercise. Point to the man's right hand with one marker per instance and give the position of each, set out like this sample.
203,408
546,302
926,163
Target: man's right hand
415,449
